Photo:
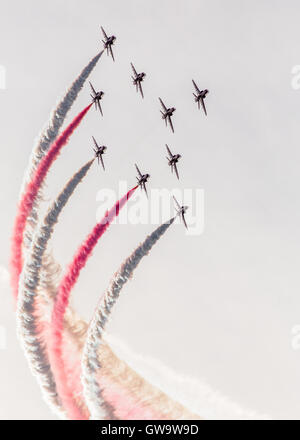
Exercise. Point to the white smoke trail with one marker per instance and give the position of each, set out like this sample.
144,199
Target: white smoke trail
28,323
196,395
90,360
57,118
75,327
179,397
48,136
113,369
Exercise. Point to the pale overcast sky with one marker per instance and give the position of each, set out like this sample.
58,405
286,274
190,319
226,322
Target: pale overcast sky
220,305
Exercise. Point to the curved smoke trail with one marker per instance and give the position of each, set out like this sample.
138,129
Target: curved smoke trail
124,389
30,193
44,141
195,394
57,118
48,136
28,324
61,303
90,361
75,326
115,375
129,393
116,378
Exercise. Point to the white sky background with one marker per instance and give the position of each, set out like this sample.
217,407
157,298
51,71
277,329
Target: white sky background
219,306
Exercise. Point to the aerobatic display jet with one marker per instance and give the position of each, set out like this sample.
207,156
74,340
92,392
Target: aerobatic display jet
99,151
173,160
96,97
167,114
199,96
142,180
137,79
181,210
108,43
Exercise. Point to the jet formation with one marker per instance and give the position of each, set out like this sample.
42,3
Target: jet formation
166,112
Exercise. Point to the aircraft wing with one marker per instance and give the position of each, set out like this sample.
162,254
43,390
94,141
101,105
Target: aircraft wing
111,52
168,149
141,90
101,158
175,200
196,87
94,91
104,33
133,69
137,168
203,105
183,219
144,186
171,123
176,171
94,101
100,108
163,105
95,142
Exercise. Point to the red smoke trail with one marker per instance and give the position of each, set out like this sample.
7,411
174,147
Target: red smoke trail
29,195
62,301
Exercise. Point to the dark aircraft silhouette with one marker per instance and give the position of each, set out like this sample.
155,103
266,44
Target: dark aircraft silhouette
142,180
181,210
137,79
96,97
167,113
199,96
173,160
108,42
99,151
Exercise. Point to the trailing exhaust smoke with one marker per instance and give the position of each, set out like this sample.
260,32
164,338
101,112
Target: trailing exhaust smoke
62,301
29,195
46,139
57,118
29,329
90,362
